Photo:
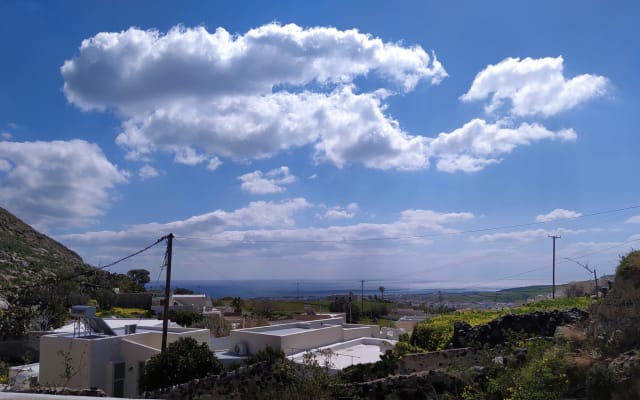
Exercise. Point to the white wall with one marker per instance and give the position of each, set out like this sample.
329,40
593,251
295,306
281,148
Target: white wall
318,333
92,359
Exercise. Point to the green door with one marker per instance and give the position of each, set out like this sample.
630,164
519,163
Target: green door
118,379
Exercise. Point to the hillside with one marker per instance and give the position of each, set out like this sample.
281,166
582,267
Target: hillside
26,253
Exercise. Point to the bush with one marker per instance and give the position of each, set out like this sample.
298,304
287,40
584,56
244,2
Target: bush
629,263
269,355
430,338
579,289
185,359
366,372
185,318
599,382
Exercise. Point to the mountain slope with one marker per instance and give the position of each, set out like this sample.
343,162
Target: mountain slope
27,255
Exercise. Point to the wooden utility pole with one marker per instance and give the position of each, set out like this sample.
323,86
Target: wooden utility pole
553,290
362,299
167,293
586,266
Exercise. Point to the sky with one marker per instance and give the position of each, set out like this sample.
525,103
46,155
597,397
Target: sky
440,143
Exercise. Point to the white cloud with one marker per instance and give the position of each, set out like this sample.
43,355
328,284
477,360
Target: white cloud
147,171
634,220
214,163
5,165
432,220
338,212
556,214
252,95
479,143
268,229
5,135
57,183
188,156
522,236
257,182
533,87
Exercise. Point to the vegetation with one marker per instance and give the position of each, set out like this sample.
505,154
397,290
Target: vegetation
121,312
139,277
367,372
629,264
182,291
184,360
348,306
185,318
237,303
436,332
268,355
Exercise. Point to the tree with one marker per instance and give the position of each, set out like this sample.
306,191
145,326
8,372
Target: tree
182,291
237,303
139,276
346,305
185,359
185,318
381,289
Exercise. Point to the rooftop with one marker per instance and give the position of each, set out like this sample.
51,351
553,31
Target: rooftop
345,354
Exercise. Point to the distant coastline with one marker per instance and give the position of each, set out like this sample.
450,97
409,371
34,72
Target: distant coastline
311,289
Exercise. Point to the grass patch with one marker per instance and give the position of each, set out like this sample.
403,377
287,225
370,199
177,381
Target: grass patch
121,312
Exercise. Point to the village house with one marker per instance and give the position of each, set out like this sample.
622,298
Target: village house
340,343
199,303
95,355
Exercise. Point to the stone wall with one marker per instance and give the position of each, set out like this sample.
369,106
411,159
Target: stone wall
254,381
465,357
243,383
498,331
425,385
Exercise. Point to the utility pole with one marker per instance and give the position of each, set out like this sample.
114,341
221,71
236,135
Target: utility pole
553,292
298,289
362,299
586,266
167,293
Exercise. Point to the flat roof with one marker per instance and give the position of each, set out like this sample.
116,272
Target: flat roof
285,331
345,354
119,323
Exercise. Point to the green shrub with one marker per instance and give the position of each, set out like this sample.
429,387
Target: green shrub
599,382
269,355
542,378
629,263
185,318
185,359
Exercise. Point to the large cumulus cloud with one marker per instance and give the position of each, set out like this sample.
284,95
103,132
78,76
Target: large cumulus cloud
252,95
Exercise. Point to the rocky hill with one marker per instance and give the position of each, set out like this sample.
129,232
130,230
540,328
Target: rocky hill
26,254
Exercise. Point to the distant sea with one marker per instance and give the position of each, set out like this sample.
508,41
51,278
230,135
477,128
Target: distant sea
279,288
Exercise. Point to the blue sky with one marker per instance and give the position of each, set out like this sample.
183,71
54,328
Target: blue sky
436,142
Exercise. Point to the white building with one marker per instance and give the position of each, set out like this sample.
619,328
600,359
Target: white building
199,303
111,361
347,344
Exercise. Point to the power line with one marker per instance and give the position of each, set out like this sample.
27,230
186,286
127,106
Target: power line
133,254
